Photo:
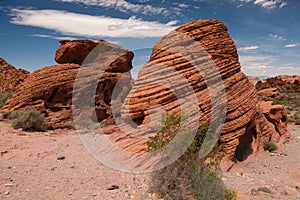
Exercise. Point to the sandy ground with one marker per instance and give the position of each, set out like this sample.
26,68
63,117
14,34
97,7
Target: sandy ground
269,175
55,165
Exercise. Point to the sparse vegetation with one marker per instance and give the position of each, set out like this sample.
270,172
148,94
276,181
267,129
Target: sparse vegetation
189,177
30,120
292,103
270,146
4,95
10,115
89,124
71,126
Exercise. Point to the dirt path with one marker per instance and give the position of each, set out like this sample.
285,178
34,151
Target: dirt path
55,165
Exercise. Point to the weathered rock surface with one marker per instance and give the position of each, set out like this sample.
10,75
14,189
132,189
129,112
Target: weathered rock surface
276,116
253,80
245,128
271,93
49,90
10,77
74,51
283,83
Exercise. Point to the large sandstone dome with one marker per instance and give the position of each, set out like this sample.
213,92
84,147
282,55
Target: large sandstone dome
174,58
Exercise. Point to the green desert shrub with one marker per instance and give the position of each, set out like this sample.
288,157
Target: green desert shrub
189,177
4,95
89,124
30,120
270,146
290,100
71,126
10,115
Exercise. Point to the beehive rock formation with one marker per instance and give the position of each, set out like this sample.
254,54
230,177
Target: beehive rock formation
10,77
245,128
283,83
49,89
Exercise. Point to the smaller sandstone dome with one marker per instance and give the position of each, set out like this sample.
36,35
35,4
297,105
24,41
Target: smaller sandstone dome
50,89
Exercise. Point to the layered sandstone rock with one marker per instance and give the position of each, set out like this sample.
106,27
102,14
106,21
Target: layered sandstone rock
283,83
253,80
271,93
277,117
49,90
191,61
74,51
10,77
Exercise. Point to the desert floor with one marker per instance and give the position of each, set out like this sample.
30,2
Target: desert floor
55,165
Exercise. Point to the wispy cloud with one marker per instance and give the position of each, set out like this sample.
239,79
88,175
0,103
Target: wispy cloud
258,61
248,48
267,65
74,24
277,37
291,45
121,5
269,4
182,5
53,37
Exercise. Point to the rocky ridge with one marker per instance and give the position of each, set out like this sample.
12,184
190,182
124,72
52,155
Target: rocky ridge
283,83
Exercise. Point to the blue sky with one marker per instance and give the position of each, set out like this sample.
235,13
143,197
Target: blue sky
266,32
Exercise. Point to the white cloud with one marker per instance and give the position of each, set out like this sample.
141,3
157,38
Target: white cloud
54,37
75,24
291,45
121,5
277,37
266,65
269,4
249,48
257,62
283,4
182,5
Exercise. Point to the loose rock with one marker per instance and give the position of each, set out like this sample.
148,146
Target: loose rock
113,187
265,189
61,158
